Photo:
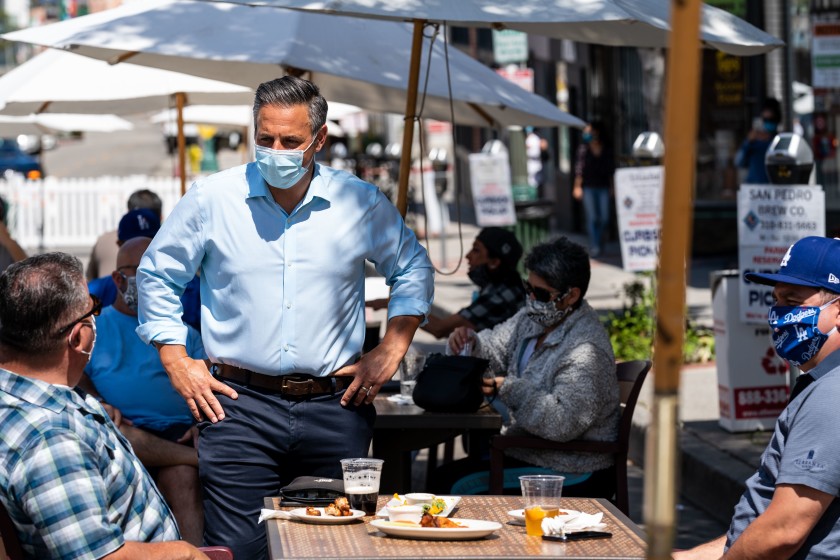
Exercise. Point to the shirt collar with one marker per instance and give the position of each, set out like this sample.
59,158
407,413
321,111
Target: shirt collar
830,362
318,186
40,393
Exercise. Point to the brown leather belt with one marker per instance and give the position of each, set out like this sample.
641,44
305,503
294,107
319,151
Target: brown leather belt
298,385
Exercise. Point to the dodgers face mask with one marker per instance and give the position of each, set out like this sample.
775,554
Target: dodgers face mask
795,333
281,168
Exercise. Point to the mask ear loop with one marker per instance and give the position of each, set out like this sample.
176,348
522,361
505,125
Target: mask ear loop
93,327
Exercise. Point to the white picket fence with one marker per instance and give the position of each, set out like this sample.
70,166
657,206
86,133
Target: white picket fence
62,213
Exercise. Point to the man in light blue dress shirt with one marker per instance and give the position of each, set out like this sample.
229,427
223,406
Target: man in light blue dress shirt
281,245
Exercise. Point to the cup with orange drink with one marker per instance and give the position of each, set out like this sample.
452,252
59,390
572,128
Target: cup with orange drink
542,499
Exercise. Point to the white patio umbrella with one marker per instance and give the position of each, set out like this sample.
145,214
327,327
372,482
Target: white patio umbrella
62,82
626,23
57,122
352,60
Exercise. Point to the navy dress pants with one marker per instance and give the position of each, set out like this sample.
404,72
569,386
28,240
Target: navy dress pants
264,442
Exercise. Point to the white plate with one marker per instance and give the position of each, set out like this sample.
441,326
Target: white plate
451,502
323,519
519,515
473,529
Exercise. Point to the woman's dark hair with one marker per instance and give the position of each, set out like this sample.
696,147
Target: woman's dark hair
38,296
289,91
562,263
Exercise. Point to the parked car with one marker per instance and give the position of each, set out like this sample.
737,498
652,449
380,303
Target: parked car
13,159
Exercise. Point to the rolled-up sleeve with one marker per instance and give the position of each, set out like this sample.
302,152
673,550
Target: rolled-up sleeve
167,266
400,258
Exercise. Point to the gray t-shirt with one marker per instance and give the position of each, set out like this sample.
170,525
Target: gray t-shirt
804,449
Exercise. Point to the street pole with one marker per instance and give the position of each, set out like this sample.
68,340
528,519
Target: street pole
681,116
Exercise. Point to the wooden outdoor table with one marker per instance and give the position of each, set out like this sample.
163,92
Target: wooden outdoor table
400,429
293,539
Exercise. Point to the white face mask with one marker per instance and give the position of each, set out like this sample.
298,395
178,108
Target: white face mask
281,169
129,296
92,344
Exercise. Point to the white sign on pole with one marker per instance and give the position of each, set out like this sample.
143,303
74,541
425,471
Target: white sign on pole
509,46
638,196
771,218
491,190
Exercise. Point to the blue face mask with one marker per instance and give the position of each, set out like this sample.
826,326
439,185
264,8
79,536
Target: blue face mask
795,333
586,137
770,126
281,169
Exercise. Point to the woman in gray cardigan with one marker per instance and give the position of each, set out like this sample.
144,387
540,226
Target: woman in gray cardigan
555,369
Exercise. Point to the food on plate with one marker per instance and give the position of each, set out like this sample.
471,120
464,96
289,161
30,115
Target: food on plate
339,508
312,511
429,520
405,513
436,506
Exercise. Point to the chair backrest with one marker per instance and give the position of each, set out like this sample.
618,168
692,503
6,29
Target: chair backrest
631,376
8,532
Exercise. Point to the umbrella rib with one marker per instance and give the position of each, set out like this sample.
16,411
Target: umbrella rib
483,114
123,57
44,106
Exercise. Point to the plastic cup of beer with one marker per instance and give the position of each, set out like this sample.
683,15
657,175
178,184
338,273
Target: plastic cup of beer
361,483
542,499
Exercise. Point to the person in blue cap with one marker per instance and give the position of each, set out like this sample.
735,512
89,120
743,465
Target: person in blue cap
789,509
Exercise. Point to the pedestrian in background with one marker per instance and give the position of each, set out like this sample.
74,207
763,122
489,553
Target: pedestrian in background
594,172
751,154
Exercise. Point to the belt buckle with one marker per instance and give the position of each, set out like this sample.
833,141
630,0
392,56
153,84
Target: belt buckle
296,386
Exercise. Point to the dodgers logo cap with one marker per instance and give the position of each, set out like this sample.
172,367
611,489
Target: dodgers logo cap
138,223
812,261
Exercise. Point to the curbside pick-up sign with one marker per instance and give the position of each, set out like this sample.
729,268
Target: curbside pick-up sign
638,202
771,218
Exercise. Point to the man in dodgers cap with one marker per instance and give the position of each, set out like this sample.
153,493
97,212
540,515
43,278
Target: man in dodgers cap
789,509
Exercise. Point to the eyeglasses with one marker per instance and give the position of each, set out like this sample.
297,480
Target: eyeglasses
540,294
97,308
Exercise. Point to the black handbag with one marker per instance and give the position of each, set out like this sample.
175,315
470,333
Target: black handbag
313,490
450,384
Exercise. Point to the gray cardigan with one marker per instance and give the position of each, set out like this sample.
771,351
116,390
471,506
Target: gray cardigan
568,390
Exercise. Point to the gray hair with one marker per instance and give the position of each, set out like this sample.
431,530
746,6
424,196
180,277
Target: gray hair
289,91
38,296
145,198
562,263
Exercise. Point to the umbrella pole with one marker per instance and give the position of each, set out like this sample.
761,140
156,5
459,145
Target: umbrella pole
410,112
180,100
681,108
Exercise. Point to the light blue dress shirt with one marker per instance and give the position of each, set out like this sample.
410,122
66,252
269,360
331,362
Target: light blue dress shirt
280,293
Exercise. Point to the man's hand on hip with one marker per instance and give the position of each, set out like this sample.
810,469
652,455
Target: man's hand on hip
193,381
380,364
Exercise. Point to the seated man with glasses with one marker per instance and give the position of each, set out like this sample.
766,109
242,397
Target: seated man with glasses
69,480
555,373
127,374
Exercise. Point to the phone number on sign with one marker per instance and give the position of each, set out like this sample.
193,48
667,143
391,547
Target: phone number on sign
762,402
747,397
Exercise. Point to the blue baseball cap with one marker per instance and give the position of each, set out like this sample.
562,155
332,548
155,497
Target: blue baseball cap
138,223
812,261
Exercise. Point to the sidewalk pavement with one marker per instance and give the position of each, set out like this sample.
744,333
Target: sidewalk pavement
714,463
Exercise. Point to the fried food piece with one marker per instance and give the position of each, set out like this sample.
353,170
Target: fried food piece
312,511
343,505
429,520
339,508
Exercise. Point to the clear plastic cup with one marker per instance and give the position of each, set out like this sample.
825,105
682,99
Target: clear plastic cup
361,483
542,499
